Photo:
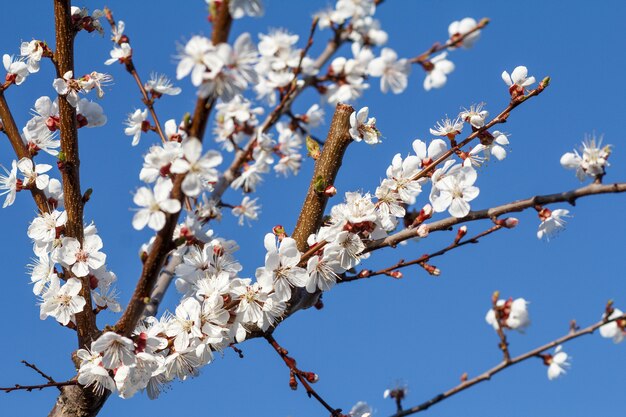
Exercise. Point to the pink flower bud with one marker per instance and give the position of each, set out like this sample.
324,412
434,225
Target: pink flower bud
432,270
395,274
330,191
510,222
459,235
423,230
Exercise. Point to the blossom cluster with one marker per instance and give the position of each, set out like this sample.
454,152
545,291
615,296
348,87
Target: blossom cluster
62,265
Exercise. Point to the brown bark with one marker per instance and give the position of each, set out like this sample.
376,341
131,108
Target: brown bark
326,169
76,401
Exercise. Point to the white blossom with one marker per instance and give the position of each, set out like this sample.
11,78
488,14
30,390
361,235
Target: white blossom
557,363
362,128
199,169
454,191
438,74
136,123
551,222
394,72
8,184
514,314
64,302
116,350
155,204
85,259
248,209
616,329
461,27
593,160
16,69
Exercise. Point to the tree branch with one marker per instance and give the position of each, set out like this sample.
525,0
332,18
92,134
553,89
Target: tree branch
29,388
450,43
73,198
492,213
163,244
485,376
305,378
390,271
132,70
325,172
242,155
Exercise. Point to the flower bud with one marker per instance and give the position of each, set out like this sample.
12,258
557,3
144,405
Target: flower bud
293,384
395,274
425,213
330,191
279,231
311,377
423,230
431,269
459,235
509,222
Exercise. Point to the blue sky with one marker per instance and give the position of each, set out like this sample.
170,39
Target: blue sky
420,330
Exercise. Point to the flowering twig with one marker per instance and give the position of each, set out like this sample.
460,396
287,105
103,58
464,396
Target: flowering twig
485,376
500,118
163,244
73,202
130,67
21,150
493,212
242,155
499,313
451,43
293,87
390,271
305,378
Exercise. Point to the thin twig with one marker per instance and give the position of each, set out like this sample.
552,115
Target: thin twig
39,371
302,377
494,212
130,67
451,43
485,376
422,259
30,388
500,118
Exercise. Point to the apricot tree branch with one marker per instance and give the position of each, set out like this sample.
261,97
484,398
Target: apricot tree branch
493,212
305,378
485,376
70,173
324,175
130,67
391,271
163,244
454,41
30,388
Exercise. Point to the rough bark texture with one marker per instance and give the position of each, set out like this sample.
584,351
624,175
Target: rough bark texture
73,198
75,401
326,168
310,219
